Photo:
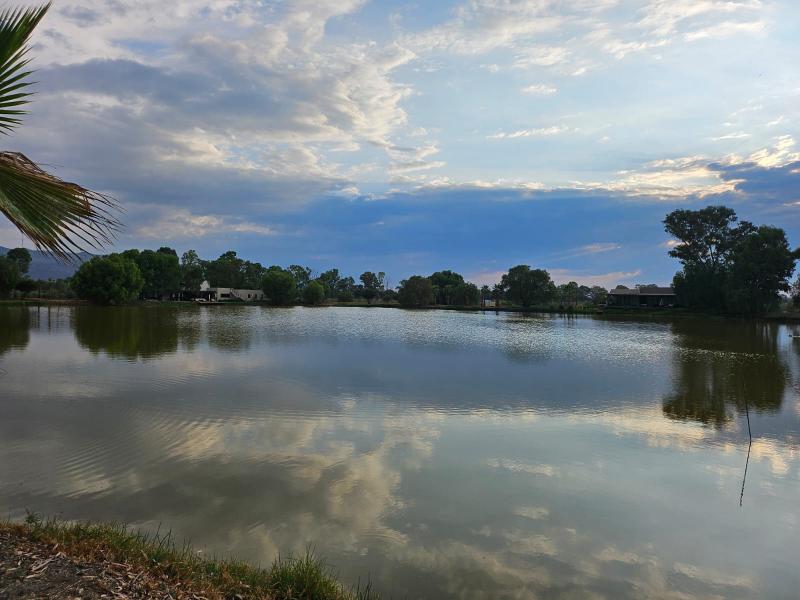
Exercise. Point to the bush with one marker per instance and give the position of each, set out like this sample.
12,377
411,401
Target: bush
110,279
345,296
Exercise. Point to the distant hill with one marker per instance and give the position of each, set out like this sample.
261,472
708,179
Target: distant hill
44,266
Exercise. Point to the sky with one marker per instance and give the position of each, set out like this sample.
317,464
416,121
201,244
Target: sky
409,137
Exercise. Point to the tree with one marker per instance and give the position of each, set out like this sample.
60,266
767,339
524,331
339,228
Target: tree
465,294
568,294
416,291
192,270
345,289
60,217
160,271
22,257
761,265
444,284
314,293
302,275
528,286
279,286
9,275
226,271
728,267
598,294
330,280
112,279
373,284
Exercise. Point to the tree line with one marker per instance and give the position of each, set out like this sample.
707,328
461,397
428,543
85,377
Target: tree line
728,266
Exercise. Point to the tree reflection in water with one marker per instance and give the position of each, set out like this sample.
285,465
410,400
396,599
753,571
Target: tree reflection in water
131,332
14,334
722,367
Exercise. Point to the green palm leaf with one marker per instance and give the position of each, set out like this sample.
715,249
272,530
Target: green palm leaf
59,217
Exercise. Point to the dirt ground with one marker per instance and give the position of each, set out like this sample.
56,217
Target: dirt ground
33,570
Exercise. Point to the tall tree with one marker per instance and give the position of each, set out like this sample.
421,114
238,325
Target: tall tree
9,275
329,280
279,286
192,270
373,284
444,285
22,257
160,271
761,265
528,286
60,217
227,271
728,267
301,274
416,291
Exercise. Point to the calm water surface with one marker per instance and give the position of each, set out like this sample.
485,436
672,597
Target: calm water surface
444,454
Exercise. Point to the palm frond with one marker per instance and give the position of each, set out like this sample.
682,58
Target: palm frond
16,27
59,217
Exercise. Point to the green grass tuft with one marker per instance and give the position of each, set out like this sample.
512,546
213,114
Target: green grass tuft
290,578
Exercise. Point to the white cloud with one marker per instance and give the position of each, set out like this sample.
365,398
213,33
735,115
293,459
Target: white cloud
180,223
541,89
606,280
535,132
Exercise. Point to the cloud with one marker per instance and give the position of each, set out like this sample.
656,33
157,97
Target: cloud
540,89
176,224
606,280
535,132
587,250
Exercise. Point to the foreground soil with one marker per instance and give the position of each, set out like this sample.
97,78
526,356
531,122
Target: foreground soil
30,569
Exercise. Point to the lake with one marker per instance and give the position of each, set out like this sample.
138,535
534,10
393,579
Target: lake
441,454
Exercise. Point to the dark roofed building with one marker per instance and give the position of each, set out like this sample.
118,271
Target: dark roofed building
645,297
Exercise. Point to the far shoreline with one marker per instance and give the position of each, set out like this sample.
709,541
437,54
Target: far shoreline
595,311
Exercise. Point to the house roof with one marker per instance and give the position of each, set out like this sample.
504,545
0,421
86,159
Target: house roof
656,291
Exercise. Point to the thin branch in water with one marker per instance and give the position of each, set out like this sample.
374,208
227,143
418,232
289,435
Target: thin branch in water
749,446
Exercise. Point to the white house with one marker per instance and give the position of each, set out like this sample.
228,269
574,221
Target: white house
221,293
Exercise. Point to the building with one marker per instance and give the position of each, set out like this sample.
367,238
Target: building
645,297
221,294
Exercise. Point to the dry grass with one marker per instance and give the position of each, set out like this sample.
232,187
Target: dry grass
174,571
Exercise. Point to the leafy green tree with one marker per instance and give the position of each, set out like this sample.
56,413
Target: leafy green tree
61,217
528,287
193,271
302,276
160,271
706,239
279,286
568,294
226,271
253,273
465,294
728,267
444,285
598,294
372,285
314,293
330,281
416,291
22,257
9,275
761,265
345,289
111,279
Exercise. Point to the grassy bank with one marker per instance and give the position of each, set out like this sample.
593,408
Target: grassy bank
156,560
